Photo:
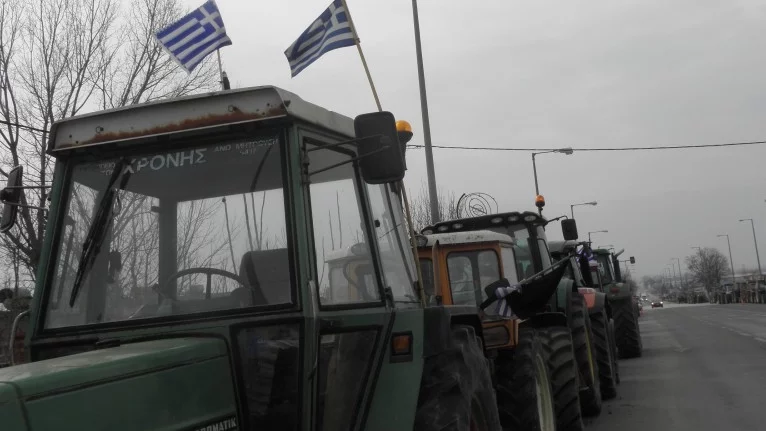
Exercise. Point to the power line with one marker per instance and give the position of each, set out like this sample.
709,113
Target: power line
671,147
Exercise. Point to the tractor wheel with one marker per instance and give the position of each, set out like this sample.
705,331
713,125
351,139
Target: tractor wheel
626,332
524,394
586,355
615,352
456,388
565,380
605,354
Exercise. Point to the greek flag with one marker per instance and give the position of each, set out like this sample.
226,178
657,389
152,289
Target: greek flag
190,39
332,30
503,307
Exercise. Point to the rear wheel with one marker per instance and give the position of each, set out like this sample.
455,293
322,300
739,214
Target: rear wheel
585,353
626,329
456,388
564,377
605,355
524,395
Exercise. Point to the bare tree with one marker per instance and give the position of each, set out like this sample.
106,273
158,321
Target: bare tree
708,266
59,58
421,207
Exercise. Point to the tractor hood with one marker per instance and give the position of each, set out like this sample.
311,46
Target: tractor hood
178,383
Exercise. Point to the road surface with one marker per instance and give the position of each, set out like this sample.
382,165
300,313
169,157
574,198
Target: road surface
703,368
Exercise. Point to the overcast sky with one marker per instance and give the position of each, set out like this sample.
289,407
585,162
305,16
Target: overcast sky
556,74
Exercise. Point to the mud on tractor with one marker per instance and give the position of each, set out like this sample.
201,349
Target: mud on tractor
461,258
184,284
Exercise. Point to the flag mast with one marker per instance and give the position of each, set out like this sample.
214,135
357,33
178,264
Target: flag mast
361,55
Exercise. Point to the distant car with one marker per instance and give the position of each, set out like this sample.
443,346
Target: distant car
656,304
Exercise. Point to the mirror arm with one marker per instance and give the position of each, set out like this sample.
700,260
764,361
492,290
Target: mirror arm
24,206
345,162
337,144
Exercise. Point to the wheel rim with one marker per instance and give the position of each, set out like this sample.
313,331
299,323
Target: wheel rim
545,412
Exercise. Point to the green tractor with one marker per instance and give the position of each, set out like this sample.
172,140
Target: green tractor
183,277
567,334
599,311
621,298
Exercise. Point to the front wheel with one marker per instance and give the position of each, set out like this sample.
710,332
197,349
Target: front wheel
605,354
456,388
626,331
524,394
565,380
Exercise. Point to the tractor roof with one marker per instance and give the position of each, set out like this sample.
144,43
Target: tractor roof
454,238
601,251
486,222
220,108
561,246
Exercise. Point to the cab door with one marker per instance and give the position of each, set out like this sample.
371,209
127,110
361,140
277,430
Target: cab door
354,315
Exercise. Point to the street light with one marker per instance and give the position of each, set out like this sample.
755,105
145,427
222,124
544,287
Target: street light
680,273
730,259
760,273
596,231
606,246
571,207
568,151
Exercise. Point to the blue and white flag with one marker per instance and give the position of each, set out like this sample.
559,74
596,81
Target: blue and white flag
332,30
195,36
503,307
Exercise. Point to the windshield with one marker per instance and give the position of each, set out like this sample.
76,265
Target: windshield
604,269
525,265
469,273
188,232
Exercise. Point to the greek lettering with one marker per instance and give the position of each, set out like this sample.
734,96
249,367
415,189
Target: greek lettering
189,157
173,160
157,166
200,155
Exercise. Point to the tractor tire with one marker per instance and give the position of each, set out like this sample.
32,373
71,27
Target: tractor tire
615,352
456,391
565,380
522,377
605,355
626,331
586,355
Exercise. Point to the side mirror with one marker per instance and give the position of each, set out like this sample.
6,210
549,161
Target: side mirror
10,196
569,229
632,260
381,158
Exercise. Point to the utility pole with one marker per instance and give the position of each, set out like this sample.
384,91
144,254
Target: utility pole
731,261
433,196
758,257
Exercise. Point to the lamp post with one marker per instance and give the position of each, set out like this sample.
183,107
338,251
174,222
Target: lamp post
571,207
432,193
680,272
731,261
758,257
568,151
595,231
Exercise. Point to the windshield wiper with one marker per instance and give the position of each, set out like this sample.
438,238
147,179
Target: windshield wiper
101,221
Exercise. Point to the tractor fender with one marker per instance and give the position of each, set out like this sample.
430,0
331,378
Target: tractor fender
564,293
438,322
617,291
595,300
544,320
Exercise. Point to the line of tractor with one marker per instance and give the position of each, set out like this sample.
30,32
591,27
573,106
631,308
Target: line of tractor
478,323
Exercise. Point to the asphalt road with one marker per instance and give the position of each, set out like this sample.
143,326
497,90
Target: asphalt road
703,368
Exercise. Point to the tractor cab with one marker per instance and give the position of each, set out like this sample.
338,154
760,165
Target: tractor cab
526,229
185,267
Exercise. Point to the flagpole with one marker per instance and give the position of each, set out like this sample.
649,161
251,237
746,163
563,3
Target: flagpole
361,55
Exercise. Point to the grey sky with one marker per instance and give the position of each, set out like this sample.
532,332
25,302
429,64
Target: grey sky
556,74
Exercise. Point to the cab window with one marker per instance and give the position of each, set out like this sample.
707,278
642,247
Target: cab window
469,272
